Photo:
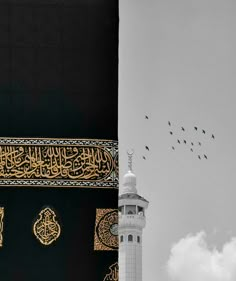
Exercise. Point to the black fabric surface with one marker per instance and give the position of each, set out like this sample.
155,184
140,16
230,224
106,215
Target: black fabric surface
58,79
59,68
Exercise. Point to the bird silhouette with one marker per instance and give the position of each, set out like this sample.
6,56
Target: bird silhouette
205,156
203,131
212,136
185,141
199,143
191,149
178,141
195,128
171,133
169,123
173,147
192,143
199,157
146,117
147,147
144,158
182,128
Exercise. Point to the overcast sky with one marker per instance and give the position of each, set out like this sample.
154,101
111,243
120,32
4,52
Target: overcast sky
178,63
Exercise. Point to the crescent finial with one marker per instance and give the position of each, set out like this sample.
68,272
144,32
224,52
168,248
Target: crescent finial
130,153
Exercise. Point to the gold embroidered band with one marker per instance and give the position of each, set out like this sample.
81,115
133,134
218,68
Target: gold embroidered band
113,275
1,225
59,162
46,228
106,230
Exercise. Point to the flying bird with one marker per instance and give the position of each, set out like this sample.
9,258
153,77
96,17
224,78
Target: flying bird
182,128
203,131
173,147
146,117
171,133
199,143
205,156
144,158
212,136
191,149
169,123
195,128
192,143
199,157
178,141
147,147
185,141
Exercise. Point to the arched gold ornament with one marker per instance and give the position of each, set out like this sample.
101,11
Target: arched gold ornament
113,275
46,228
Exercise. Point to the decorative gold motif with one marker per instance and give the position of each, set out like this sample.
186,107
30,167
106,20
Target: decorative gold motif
46,228
113,275
106,230
1,225
66,162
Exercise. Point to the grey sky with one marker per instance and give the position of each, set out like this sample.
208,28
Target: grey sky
178,63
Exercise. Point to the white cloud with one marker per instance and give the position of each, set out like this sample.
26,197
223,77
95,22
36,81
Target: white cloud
192,260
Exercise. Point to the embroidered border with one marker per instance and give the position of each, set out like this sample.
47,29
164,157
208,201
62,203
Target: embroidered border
106,230
59,162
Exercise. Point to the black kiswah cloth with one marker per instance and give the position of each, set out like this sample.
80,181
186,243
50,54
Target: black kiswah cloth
58,140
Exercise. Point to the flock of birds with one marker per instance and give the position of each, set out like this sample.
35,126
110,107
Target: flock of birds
189,144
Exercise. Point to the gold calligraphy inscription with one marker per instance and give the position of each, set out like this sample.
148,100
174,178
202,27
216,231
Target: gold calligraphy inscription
45,162
106,230
1,225
113,275
46,228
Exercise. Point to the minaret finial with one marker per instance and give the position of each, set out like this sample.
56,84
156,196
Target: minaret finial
130,153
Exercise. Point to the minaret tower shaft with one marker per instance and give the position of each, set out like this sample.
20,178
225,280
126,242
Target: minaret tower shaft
131,223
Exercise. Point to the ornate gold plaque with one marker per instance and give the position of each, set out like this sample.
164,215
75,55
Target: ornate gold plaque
59,162
46,228
1,225
106,230
113,275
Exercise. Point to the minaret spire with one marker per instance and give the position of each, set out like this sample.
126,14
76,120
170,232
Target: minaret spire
130,153
129,184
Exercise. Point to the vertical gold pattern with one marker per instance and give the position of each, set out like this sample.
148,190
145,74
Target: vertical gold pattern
1,225
106,230
113,275
46,228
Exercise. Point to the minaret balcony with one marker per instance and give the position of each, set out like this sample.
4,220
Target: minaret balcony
132,220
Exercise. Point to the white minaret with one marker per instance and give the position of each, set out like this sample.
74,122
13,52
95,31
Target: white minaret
131,223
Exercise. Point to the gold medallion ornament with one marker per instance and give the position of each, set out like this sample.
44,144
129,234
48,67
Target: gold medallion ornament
1,225
106,230
113,275
46,228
